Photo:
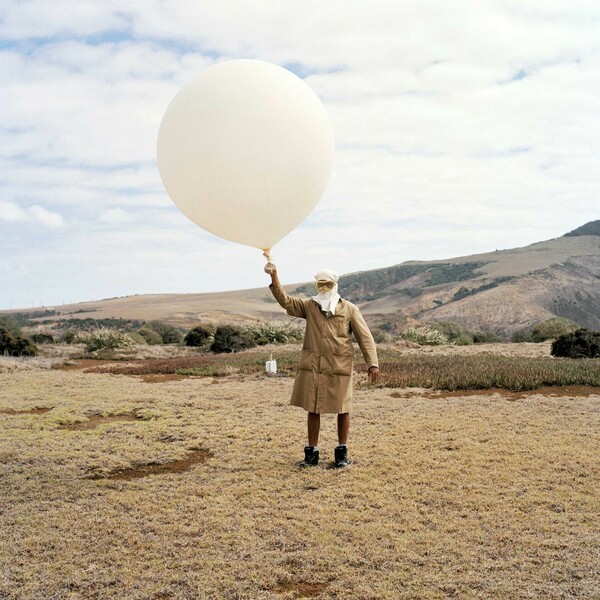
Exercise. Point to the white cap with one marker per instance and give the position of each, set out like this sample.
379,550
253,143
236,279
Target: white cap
327,275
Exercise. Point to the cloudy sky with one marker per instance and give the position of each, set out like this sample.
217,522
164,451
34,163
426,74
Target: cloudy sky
461,127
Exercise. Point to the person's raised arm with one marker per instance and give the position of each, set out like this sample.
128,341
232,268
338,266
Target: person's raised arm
295,307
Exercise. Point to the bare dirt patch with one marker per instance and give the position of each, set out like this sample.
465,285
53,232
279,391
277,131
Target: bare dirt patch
197,456
568,391
300,590
30,411
85,363
96,420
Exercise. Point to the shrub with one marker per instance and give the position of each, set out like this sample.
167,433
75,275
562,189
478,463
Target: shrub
138,339
275,332
552,329
109,339
150,336
424,336
43,338
455,332
11,345
70,336
522,335
10,324
485,337
380,337
199,336
169,333
581,343
231,339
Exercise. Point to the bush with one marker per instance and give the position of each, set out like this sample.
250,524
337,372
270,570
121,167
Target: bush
109,339
70,336
455,332
199,336
275,332
138,339
522,335
552,329
581,343
43,338
380,337
231,339
150,336
11,345
10,324
485,337
169,333
424,336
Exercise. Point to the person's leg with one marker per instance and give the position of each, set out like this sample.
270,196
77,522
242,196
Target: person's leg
311,452
343,427
341,452
314,425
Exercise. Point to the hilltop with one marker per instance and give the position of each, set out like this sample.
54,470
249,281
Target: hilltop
501,291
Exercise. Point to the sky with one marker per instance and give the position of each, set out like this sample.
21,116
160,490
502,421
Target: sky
460,128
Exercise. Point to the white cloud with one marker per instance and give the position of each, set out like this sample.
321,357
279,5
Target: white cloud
13,213
460,128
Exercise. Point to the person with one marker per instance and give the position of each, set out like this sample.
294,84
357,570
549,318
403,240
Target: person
323,382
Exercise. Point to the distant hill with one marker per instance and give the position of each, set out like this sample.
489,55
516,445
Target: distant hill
591,228
501,291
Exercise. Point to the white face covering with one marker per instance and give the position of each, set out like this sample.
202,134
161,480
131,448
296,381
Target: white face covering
327,299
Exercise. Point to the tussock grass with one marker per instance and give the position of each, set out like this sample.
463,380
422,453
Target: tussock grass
489,371
462,497
443,372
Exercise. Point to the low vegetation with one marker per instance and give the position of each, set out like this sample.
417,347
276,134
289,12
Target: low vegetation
488,371
424,336
231,339
552,329
274,332
15,345
169,334
42,338
10,324
106,339
443,372
460,335
149,336
199,336
581,343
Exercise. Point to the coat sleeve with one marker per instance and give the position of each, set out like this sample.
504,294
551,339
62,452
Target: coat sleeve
295,307
364,338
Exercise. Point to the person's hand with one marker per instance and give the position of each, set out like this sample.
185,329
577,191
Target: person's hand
270,268
373,374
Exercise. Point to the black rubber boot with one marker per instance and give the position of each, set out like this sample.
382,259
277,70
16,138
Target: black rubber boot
311,457
341,457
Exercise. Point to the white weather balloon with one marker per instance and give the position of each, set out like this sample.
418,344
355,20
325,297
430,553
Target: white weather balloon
246,151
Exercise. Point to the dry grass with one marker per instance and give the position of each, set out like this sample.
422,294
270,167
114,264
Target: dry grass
449,497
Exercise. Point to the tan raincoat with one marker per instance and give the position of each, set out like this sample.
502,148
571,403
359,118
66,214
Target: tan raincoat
324,379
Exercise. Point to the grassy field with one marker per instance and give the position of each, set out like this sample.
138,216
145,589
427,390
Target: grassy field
114,487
